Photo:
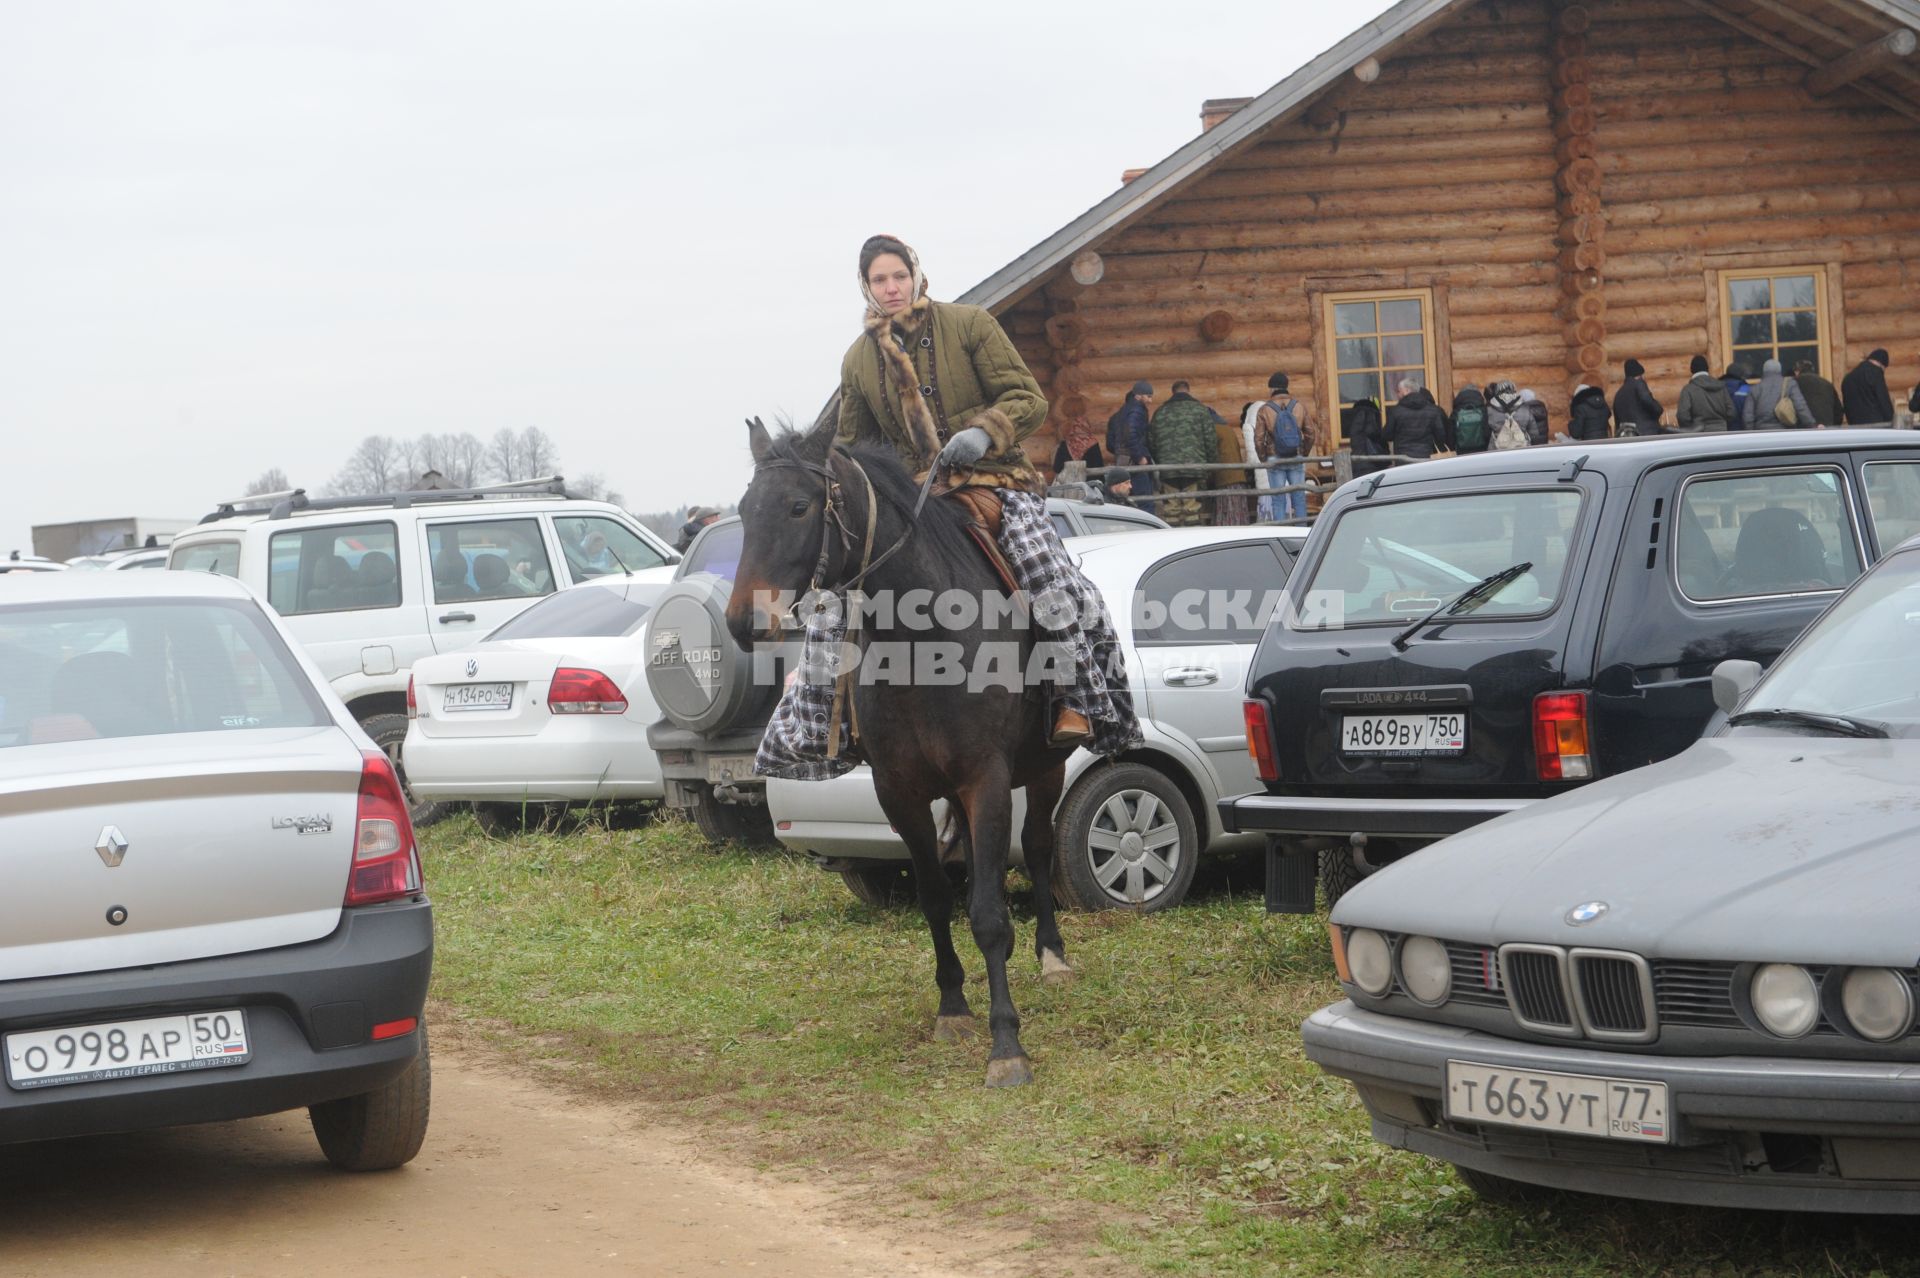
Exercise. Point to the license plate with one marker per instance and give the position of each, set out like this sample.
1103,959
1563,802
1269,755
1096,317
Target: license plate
127,1049
1404,733
479,696
723,769
1614,1108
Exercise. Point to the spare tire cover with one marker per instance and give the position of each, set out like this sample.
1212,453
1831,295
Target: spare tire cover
700,678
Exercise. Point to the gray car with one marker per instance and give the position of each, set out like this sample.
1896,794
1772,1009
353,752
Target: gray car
1695,982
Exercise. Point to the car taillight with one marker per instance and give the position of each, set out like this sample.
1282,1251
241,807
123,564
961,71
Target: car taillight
413,707
1560,736
1260,740
385,864
584,692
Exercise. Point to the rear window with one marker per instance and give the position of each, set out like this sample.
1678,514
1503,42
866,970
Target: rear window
1394,562
583,612
140,668
222,557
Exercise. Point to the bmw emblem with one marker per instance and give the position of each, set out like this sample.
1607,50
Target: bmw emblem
1586,912
473,667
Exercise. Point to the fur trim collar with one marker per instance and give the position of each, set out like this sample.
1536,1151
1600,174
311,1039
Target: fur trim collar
904,379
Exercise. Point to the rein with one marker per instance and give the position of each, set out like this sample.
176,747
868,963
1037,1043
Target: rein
832,516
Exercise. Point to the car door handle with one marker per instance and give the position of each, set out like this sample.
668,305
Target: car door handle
1190,677
457,616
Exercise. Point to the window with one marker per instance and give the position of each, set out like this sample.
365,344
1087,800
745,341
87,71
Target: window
1224,595
334,569
1860,658
1375,341
222,557
136,668
1400,561
716,551
1893,501
1061,526
1117,524
596,546
1778,314
1764,533
488,559
589,612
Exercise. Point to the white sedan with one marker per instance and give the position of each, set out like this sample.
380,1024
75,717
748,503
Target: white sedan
550,709
1129,832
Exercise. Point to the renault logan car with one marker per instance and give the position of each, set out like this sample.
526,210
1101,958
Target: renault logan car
213,904
1693,982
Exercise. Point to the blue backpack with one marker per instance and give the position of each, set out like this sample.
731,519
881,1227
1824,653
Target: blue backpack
1286,430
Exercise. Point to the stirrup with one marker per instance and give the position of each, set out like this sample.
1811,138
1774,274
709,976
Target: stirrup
1070,727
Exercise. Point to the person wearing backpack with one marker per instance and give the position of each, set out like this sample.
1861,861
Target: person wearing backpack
1635,410
1735,380
1282,434
1507,417
1470,433
1588,417
1705,404
1366,437
1538,429
1416,427
1776,401
1127,439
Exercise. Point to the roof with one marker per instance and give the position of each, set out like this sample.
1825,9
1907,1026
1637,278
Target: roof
68,587
1156,543
1815,31
385,512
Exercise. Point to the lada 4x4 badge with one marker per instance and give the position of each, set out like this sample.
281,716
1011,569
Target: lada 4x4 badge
1586,912
112,846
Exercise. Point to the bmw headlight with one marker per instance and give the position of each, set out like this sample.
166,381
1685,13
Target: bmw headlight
1785,999
1878,1003
1370,960
1426,970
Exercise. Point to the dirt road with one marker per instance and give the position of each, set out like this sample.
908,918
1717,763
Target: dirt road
517,1178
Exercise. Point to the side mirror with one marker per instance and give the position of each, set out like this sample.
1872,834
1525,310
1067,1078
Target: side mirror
1732,681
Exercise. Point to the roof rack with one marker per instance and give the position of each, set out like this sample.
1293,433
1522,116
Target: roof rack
295,501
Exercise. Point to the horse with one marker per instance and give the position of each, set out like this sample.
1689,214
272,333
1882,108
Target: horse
819,516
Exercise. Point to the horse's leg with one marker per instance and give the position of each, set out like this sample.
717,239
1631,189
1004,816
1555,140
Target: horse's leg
988,801
914,821
1036,837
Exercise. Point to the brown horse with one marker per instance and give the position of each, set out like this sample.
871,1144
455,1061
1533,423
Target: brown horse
820,516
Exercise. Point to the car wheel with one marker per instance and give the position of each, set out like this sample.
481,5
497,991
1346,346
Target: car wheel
884,887
507,819
1338,873
1126,841
1504,1190
382,1128
389,732
745,823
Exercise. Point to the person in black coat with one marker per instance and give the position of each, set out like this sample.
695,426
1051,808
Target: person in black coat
1415,426
1587,418
1864,393
1634,405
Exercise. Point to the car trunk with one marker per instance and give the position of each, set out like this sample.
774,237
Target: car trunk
225,842
494,690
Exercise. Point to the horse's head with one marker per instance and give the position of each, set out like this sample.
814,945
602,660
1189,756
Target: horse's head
784,522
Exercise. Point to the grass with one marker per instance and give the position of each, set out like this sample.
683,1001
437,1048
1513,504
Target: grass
1174,1123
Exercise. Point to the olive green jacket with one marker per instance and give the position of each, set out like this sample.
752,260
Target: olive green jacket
977,379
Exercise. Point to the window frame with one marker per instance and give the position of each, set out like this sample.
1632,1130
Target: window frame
1335,405
1207,639
1726,276
399,576
1834,467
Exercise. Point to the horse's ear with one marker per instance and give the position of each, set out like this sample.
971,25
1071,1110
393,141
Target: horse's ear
819,440
758,439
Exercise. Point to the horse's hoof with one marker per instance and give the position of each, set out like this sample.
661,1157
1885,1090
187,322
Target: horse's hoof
955,1029
1010,1071
1054,970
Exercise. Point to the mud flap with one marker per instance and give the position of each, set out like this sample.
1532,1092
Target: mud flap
1292,876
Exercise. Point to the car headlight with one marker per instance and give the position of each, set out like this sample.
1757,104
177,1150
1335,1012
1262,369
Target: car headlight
1370,960
1785,1000
1878,1003
1425,969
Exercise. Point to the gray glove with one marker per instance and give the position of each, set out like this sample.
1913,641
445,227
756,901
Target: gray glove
966,448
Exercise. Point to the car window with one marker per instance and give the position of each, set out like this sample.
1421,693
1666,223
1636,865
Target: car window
717,551
488,559
1764,533
222,557
333,569
1221,595
1893,500
135,668
596,546
138,564
585,611
1116,524
1063,526
1861,658
1397,561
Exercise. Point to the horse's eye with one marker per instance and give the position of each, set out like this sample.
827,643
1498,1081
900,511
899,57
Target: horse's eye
799,508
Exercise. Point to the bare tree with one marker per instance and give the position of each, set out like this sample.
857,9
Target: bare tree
538,455
375,466
269,481
503,456
466,460
593,487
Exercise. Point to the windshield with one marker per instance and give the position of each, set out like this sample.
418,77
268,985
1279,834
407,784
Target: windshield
1400,561
1861,659
583,612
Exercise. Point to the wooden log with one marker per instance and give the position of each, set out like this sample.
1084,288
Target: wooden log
1685,130
1871,301
1690,340
1580,175
1865,60
1581,306
1587,360
1570,124
1583,257
1062,305
1216,326
1087,268
1068,379
1465,196
1884,196
1656,166
1881,329
1583,230
1567,74
1229,279
1580,282
1588,332
1390,151
1527,299
1195,364
1546,350
1580,204
1568,49
1065,332
1575,19
1342,235
1573,97
1516,321
1367,70
1745,233
1071,407
1137,342
1581,146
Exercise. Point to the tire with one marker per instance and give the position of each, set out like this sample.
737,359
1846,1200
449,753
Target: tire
1503,1190
389,732
1338,873
885,887
503,820
743,823
381,1129
1098,837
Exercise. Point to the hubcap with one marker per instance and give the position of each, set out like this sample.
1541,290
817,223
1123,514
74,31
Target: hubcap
1134,846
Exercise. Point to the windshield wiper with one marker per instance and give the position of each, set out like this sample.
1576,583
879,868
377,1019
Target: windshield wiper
1841,724
1472,597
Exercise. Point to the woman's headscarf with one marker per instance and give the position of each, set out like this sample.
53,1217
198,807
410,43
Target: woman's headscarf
874,247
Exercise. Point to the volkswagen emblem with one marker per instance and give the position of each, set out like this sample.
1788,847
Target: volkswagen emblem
473,667
112,846
1586,912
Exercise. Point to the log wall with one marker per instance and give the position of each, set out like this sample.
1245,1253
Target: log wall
1566,176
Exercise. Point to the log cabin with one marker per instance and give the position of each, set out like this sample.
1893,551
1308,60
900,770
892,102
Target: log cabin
1465,190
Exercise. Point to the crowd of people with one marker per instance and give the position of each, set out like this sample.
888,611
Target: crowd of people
1184,432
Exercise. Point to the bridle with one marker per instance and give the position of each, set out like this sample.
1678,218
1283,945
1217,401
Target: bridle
833,516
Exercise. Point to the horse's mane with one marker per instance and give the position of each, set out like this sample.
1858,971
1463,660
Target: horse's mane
941,534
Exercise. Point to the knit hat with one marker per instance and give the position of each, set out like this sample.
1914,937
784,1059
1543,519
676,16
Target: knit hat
1879,357
1698,364
1142,387
1527,397
1636,369
1277,382
1735,372
874,247
1115,476
1771,366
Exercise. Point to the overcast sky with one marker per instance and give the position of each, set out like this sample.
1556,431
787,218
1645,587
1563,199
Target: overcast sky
241,234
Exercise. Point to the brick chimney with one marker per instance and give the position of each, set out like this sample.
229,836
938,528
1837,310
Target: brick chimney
1129,175
1214,110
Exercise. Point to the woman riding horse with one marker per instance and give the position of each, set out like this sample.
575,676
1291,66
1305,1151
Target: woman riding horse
940,384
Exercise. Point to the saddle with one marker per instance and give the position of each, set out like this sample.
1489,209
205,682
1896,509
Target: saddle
983,508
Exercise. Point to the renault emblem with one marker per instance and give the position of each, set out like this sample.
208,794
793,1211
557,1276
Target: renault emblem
112,846
473,667
1586,912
